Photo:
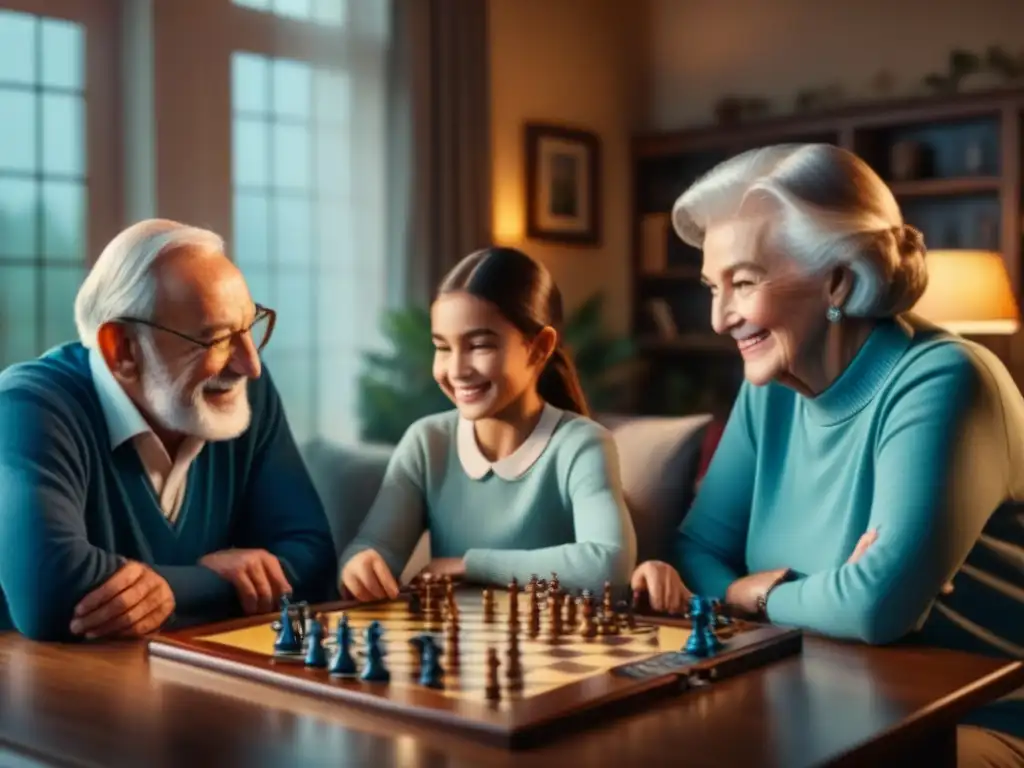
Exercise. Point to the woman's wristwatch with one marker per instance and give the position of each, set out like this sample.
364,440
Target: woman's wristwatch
762,599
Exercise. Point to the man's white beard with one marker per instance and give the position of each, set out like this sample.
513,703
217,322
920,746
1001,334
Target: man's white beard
167,400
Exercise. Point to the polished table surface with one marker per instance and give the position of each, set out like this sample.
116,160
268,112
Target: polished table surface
110,705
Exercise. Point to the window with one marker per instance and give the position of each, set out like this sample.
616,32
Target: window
43,178
318,11
56,87
307,236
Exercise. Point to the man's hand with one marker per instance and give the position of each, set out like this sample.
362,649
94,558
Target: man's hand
445,566
133,602
256,574
367,577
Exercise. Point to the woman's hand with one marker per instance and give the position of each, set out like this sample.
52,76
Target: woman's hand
445,566
743,593
863,545
367,577
665,589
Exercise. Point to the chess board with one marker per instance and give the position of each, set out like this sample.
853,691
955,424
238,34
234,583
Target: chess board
561,678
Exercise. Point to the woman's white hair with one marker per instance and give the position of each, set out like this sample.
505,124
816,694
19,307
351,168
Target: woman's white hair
122,283
825,208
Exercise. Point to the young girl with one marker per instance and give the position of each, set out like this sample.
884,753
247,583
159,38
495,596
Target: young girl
517,480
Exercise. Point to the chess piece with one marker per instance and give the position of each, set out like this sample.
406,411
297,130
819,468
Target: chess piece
554,617
570,613
513,601
514,670
553,585
343,664
587,628
415,603
488,597
316,655
702,641
288,641
607,604
493,688
432,672
374,671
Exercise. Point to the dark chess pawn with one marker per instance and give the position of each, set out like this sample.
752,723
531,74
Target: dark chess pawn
415,603
703,641
343,664
431,672
287,640
316,654
513,601
374,671
570,613
493,688
553,584
488,598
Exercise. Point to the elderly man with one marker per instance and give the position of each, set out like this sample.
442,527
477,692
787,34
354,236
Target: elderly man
147,472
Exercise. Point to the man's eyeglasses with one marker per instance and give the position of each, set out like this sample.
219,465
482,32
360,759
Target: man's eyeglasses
260,330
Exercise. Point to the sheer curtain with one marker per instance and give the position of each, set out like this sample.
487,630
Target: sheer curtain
310,219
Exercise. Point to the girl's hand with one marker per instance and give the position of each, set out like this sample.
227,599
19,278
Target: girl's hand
445,566
665,589
367,577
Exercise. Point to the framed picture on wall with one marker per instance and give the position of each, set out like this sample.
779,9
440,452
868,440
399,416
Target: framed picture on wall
563,174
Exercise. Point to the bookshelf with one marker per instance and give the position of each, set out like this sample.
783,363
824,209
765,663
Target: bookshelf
953,163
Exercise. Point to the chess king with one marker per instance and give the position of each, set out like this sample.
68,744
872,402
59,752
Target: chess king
516,479
147,472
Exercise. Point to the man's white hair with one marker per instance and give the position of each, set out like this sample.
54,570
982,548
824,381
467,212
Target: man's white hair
121,282
825,208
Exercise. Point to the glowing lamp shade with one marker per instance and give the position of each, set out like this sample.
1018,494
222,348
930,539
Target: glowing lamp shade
969,292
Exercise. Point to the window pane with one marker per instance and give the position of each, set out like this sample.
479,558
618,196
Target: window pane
338,388
334,294
249,84
17,48
333,96
252,228
17,314
292,374
292,89
292,227
291,157
18,113
249,153
60,284
296,9
334,163
330,11
19,204
294,329
62,54
63,221
259,282
63,139
335,236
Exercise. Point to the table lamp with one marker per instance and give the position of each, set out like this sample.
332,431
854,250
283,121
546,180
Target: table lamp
969,293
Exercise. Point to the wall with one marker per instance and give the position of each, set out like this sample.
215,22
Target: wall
702,49
570,62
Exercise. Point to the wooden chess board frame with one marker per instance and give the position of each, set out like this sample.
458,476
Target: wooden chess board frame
514,722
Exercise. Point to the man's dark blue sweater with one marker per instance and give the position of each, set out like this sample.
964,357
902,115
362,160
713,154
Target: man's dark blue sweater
71,505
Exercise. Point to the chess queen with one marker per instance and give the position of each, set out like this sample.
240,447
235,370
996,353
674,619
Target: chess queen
858,489
516,479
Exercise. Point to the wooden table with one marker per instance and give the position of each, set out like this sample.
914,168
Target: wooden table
837,704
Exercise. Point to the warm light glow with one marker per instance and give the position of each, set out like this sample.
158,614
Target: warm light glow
508,219
969,292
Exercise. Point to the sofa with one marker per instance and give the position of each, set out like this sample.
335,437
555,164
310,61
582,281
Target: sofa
659,458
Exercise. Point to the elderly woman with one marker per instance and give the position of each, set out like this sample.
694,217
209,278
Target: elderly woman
855,489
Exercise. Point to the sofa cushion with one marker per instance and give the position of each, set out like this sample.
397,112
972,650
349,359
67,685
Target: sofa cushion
659,459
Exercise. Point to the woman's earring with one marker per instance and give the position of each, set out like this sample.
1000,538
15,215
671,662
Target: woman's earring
834,314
